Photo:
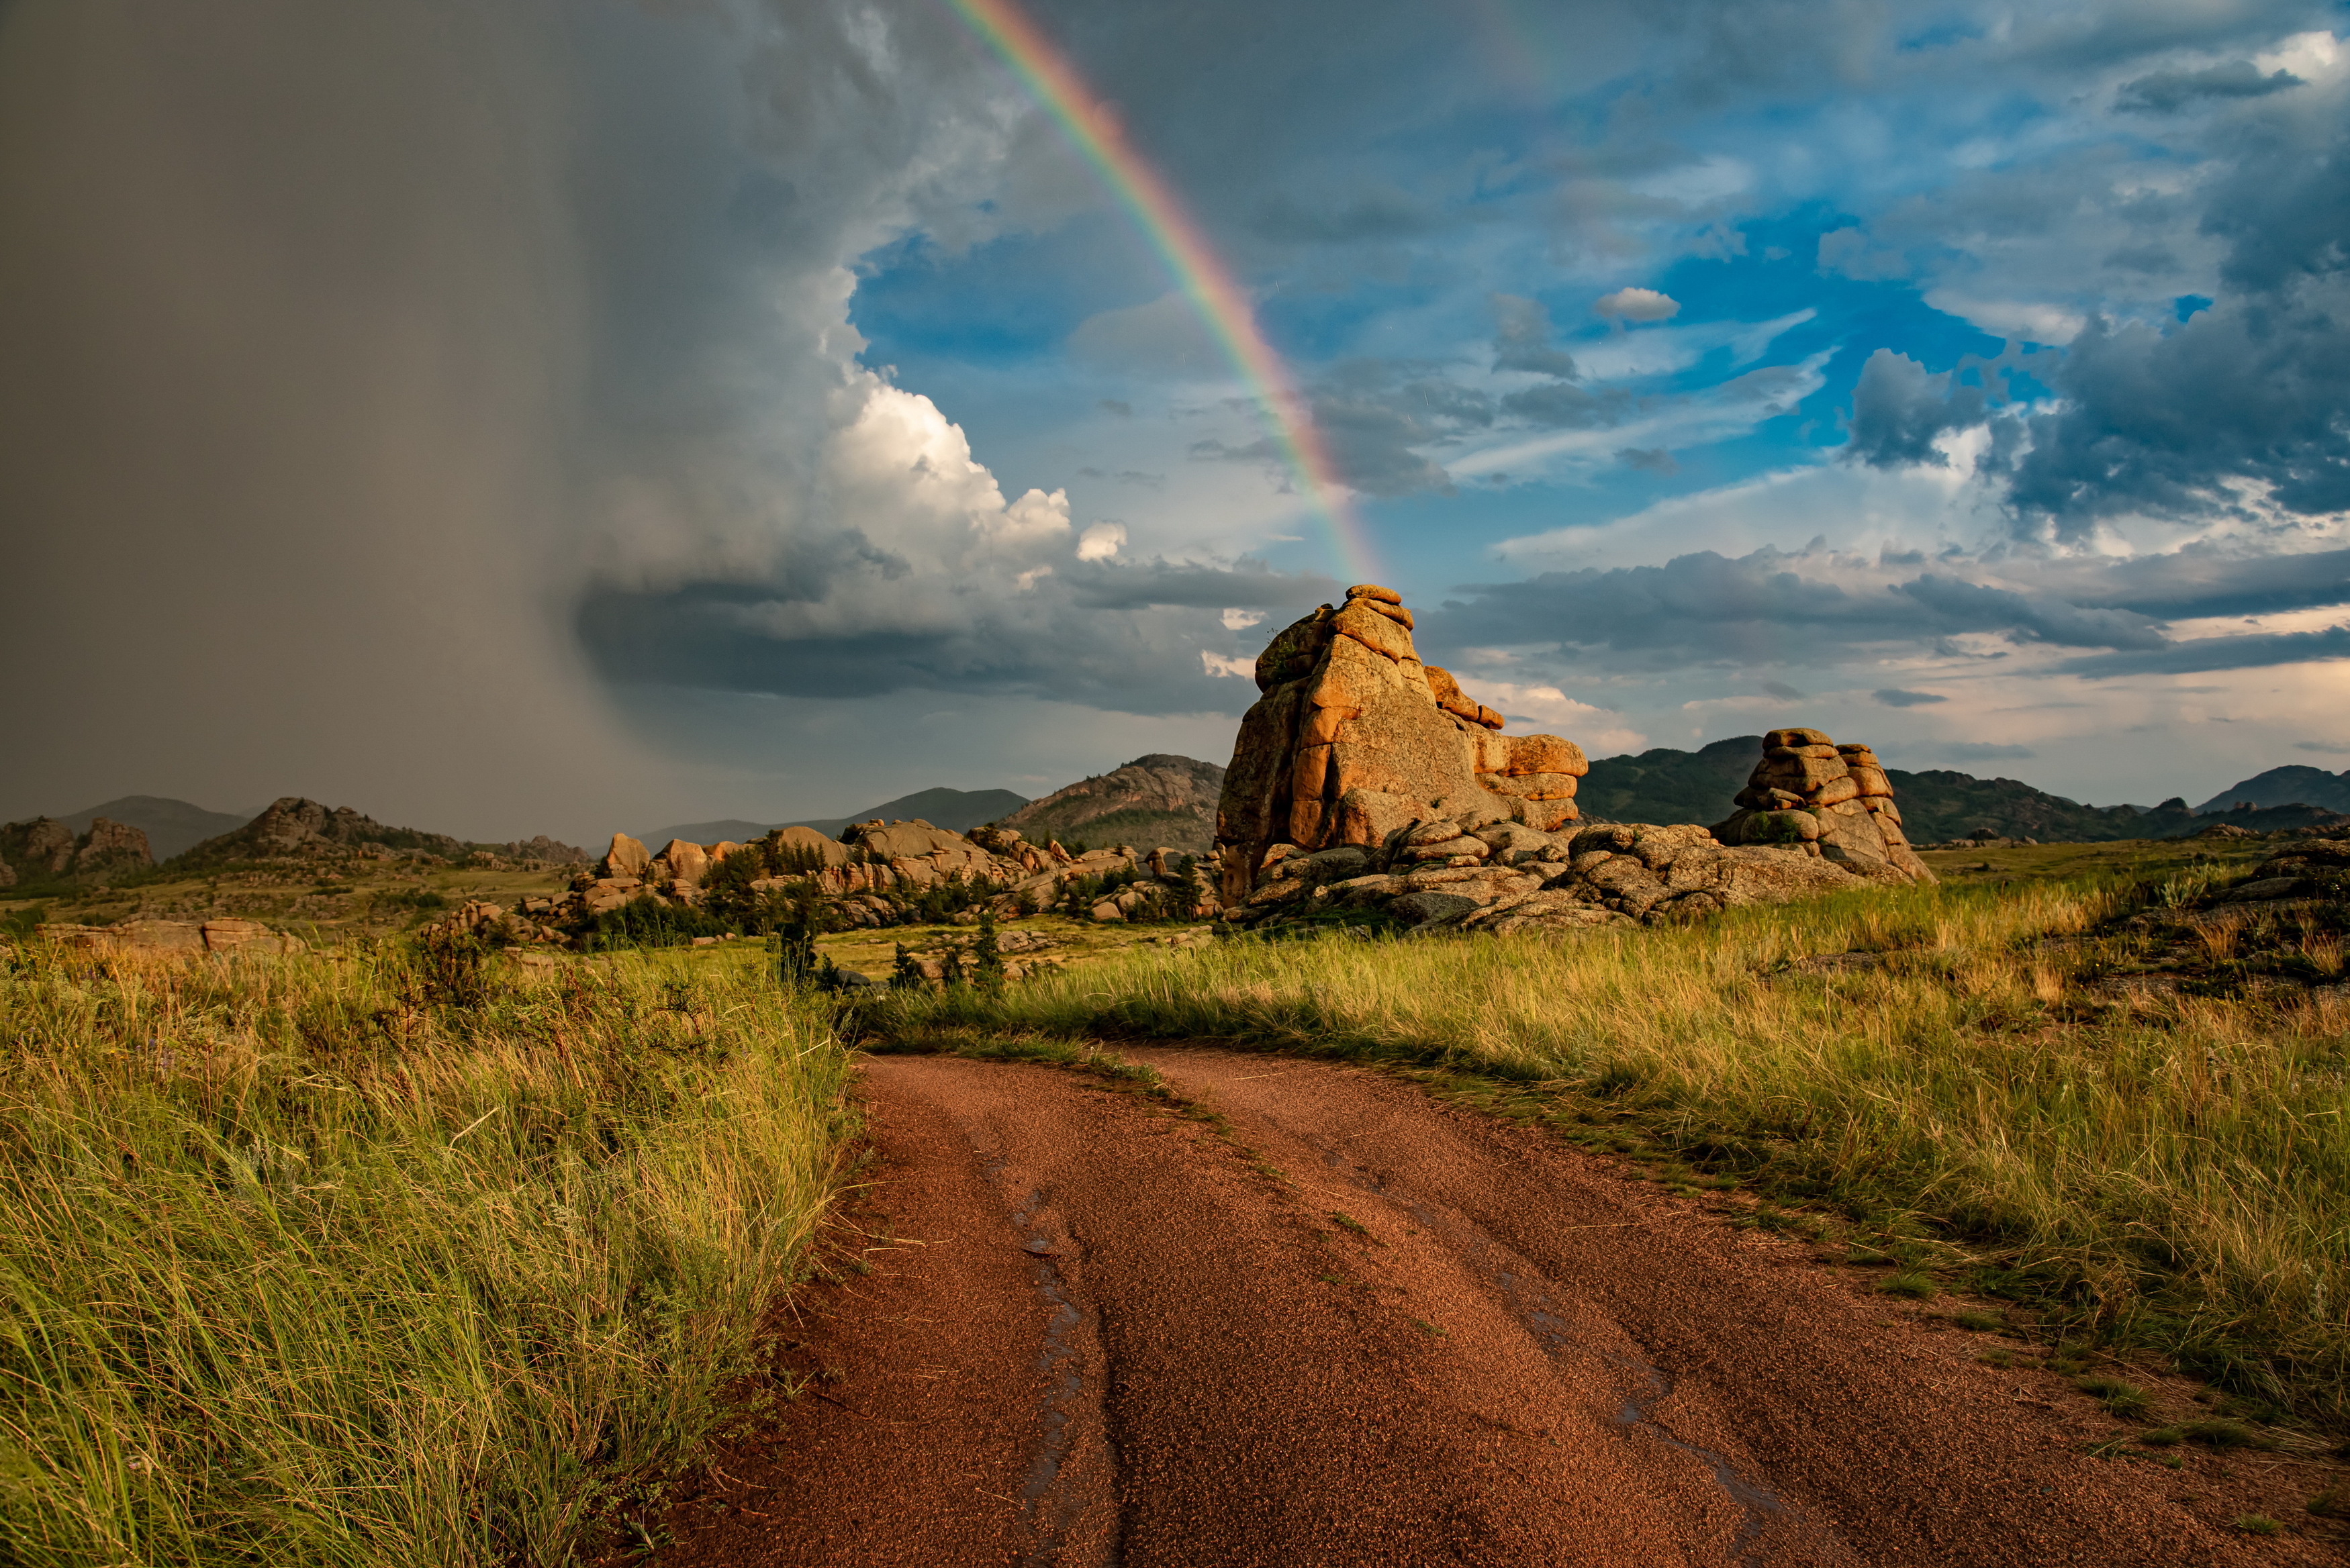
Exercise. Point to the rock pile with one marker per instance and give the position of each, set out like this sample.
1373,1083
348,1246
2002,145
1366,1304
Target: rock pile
875,872
2314,868
1354,739
1482,871
44,849
1830,801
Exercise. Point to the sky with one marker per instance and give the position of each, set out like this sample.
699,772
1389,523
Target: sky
563,415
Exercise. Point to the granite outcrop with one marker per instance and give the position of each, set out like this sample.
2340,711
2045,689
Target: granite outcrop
43,849
1830,801
1355,738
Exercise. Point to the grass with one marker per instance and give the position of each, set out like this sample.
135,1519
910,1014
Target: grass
2164,1171
378,1258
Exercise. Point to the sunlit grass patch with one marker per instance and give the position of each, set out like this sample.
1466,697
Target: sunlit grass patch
366,1260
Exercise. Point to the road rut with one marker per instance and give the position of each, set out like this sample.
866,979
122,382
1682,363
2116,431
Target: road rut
1353,1325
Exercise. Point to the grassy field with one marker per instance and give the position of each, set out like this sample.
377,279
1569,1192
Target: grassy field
368,1258
1943,1065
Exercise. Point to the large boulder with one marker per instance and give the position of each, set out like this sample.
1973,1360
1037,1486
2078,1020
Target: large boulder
1354,738
1836,801
628,857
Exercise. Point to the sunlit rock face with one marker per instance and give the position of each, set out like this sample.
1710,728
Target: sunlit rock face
1354,738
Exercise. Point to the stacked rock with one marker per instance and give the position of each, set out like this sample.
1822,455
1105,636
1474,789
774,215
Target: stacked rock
1355,738
1836,802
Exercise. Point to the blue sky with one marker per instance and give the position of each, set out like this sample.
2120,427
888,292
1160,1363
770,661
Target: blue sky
1966,377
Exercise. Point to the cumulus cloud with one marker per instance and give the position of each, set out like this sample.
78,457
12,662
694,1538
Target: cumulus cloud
1101,542
1636,304
1554,710
1899,410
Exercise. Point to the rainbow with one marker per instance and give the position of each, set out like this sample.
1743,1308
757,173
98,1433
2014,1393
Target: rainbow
1195,266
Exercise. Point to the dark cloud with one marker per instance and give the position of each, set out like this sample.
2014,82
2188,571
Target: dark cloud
1383,213
1563,405
2192,583
1651,459
1893,697
1974,606
1117,405
2257,652
1372,414
1899,408
1782,691
1117,585
2167,92
1522,339
1979,751
1774,606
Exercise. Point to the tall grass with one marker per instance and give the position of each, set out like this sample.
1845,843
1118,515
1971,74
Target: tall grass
379,1259
2176,1170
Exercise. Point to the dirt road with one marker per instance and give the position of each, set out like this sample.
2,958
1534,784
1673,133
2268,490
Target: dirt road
1359,1327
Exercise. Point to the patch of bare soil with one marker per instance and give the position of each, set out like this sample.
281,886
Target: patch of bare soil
1346,1324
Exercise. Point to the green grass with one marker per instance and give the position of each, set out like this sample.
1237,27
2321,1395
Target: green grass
2171,1172
368,1260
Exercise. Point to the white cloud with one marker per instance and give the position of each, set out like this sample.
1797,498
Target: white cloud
1595,730
1226,664
1638,305
1242,619
1101,542
2035,321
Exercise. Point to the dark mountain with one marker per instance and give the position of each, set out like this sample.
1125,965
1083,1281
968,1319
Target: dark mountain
294,827
1665,785
1153,801
172,827
2291,785
956,810
1938,805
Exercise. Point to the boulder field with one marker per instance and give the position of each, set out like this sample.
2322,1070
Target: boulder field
873,874
1365,780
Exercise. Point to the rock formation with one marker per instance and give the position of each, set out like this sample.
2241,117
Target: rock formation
875,872
45,848
110,844
1831,801
1354,739
1365,784
38,849
1503,876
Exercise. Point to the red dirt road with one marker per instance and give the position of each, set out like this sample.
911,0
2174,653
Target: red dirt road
1097,1332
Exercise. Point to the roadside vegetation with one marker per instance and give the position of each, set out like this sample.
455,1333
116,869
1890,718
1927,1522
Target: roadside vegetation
1965,1074
400,1255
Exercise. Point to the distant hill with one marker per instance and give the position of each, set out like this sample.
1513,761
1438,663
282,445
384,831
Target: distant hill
2292,785
172,827
956,810
1159,799
295,826
1665,785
